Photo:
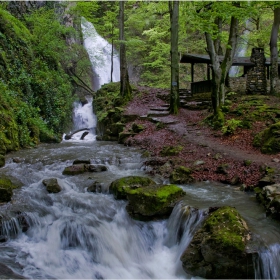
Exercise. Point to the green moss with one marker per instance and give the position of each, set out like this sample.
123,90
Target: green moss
171,150
227,228
269,139
181,175
6,189
153,201
121,186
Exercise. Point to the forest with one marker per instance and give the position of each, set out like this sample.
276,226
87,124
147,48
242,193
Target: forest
165,164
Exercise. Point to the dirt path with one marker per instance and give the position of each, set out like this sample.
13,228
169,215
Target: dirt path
200,143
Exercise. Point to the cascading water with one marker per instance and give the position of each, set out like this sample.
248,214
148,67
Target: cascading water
77,234
100,52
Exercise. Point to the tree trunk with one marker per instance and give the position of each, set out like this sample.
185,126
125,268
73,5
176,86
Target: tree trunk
125,89
174,88
274,52
220,70
112,53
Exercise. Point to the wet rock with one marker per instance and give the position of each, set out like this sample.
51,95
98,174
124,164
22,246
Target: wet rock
269,197
81,161
7,273
220,248
181,175
120,187
266,181
153,202
74,169
166,169
52,185
96,168
6,189
95,187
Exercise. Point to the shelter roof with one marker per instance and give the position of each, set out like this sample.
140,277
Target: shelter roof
205,58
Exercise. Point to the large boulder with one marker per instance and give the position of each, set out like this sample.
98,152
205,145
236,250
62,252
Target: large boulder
146,199
6,189
120,187
220,248
153,202
79,168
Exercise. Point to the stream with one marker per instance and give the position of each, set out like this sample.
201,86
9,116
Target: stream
76,234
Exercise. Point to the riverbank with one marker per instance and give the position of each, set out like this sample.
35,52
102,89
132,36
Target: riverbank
210,154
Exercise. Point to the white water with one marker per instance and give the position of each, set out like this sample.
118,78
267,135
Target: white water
76,234
99,51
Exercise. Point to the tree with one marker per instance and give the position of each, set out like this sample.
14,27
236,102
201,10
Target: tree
174,88
125,89
274,51
220,70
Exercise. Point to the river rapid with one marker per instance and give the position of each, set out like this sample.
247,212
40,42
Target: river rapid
76,234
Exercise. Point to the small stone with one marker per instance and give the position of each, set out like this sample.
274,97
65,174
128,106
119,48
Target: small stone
275,160
198,162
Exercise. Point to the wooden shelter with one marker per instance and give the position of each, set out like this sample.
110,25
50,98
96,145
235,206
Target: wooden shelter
205,86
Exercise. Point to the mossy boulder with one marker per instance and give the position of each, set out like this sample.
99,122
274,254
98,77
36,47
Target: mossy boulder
120,187
153,202
6,189
52,185
181,175
269,139
171,151
123,136
220,248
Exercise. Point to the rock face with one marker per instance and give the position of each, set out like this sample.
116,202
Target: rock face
52,185
220,248
6,189
146,200
269,197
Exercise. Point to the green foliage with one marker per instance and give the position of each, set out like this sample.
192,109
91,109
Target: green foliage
230,126
36,93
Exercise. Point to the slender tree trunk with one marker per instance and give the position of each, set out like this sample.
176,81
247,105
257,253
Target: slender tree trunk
125,89
274,52
220,70
112,54
174,89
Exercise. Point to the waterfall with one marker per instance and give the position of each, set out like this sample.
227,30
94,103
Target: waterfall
240,50
99,51
267,264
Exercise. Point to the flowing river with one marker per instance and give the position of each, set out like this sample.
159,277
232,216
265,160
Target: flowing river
76,234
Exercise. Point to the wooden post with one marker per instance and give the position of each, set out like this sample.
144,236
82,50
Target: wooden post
192,72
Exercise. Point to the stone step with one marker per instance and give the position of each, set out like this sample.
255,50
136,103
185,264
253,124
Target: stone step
158,108
158,120
158,114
